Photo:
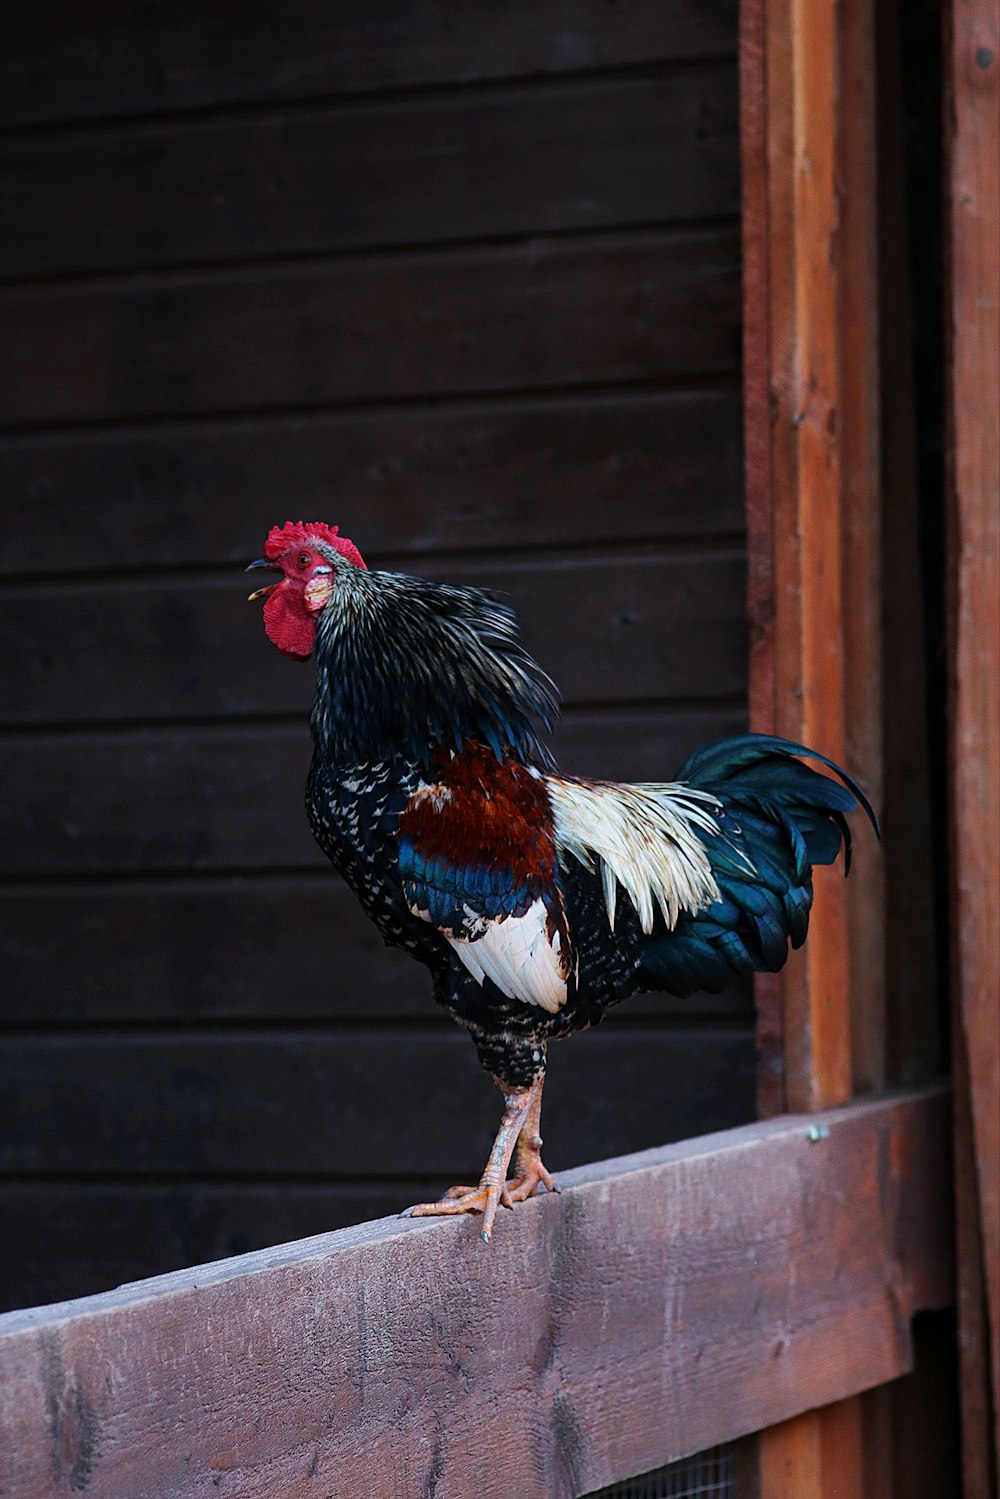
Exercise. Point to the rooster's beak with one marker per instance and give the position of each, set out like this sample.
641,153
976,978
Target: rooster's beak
262,593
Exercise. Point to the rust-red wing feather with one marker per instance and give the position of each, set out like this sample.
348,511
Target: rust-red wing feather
484,813
477,859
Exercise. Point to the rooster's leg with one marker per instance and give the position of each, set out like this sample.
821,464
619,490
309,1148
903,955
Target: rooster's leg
492,1189
529,1172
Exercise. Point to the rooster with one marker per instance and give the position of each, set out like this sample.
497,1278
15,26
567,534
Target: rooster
536,900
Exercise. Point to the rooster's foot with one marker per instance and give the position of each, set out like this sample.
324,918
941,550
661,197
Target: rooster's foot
492,1190
530,1171
457,1194
484,1199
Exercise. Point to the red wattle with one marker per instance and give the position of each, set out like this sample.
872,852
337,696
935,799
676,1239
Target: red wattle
288,623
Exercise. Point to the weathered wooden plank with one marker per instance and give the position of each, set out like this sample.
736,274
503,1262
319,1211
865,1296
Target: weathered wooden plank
61,62
973,397
534,158
661,1304
314,1102
656,625
522,473
578,311
192,951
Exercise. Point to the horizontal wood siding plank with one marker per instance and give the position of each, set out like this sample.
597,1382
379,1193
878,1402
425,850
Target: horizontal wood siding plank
223,950
534,159
231,798
63,61
303,1103
606,629
659,1305
523,473
125,1232
227,950
566,312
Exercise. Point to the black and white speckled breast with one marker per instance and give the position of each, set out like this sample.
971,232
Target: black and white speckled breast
353,812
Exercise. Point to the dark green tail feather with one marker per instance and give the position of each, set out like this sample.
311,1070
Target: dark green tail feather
782,817
727,757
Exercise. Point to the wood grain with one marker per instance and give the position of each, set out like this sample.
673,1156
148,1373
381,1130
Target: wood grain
63,62
389,1350
812,425
523,473
974,685
314,1101
654,625
818,1040
818,1452
813,470
614,308
530,159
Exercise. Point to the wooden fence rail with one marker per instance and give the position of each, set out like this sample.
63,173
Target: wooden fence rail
662,1303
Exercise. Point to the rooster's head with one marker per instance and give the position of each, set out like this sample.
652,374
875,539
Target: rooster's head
307,555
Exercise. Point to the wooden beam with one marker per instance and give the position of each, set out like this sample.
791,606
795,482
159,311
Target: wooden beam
812,443
812,417
763,453
974,560
663,1303
810,1456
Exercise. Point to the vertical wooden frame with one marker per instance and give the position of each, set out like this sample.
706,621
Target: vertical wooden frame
973,338
812,441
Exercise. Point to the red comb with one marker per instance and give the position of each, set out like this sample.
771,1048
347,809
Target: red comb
294,533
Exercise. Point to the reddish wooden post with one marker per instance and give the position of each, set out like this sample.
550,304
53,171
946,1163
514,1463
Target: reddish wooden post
812,417
974,581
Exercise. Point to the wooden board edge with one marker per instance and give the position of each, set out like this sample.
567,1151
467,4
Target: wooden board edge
895,1142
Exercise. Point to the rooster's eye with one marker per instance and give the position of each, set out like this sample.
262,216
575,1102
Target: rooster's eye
304,559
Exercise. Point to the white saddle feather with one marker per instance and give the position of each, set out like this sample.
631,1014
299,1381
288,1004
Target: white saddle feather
645,836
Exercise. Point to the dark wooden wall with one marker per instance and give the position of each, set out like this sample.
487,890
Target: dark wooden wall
464,278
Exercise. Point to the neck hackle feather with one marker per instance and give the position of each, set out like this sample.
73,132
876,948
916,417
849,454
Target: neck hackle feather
408,667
